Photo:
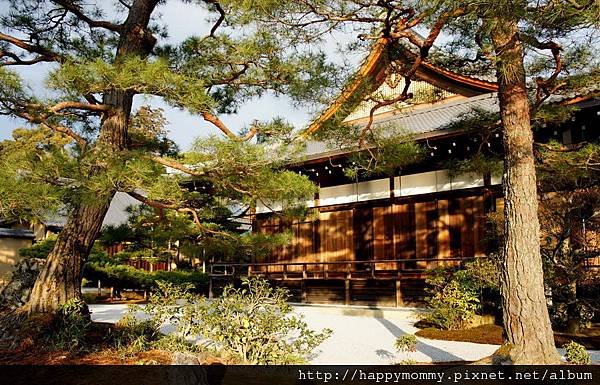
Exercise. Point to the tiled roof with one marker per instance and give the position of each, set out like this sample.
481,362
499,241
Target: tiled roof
117,213
115,216
438,116
16,233
591,90
419,122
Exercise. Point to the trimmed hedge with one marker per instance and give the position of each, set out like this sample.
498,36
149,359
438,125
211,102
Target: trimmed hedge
128,277
111,272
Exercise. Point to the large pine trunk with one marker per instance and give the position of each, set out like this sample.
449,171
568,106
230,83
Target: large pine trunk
60,280
526,321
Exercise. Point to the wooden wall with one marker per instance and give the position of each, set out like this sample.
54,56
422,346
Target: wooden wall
422,227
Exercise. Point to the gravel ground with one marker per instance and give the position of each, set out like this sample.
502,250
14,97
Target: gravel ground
362,339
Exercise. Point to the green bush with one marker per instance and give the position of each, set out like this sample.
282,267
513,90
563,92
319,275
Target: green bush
69,328
181,277
408,362
576,354
250,325
128,277
39,249
146,254
406,343
453,306
455,292
133,335
42,249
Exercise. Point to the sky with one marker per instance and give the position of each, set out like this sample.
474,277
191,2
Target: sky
184,20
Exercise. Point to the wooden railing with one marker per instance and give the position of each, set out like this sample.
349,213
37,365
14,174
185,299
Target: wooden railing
371,269
143,264
396,270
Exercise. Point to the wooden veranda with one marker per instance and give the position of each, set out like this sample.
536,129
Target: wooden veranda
398,276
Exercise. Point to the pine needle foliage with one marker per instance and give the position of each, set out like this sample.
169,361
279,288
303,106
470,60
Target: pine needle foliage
59,159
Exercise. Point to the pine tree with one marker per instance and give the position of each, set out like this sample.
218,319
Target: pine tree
86,142
534,49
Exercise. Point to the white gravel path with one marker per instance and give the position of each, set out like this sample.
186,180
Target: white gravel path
361,339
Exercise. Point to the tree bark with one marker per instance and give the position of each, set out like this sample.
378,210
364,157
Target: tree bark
526,320
60,280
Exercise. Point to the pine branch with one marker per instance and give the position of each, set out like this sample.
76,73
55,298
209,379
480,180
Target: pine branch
224,129
18,61
126,5
79,106
546,87
45,54
221,18
424,47
67,131
41,120
573,148
219,124
170,206
177,166
76,10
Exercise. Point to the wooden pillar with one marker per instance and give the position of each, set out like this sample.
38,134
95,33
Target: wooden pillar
346,291
399,299
303,283
303,291
210,287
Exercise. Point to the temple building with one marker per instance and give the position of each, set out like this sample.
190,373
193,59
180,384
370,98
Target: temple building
369,240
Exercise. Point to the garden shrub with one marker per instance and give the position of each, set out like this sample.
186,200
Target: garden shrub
453,306
251,325
406,343
582,312
408,362
133,335
69,327
128,277
455,293
145,254
42,248
39,249
255,324
576,354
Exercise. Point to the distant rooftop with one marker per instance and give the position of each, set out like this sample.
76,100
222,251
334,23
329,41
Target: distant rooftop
16,233
115,216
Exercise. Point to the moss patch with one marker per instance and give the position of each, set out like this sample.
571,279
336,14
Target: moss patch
484,334
492,334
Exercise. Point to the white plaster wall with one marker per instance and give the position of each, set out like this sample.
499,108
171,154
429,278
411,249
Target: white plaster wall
467,181
406,185
497,179
416,184
374,189
335,195
434,181
261,208
443,181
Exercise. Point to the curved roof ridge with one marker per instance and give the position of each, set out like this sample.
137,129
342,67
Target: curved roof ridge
373,69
